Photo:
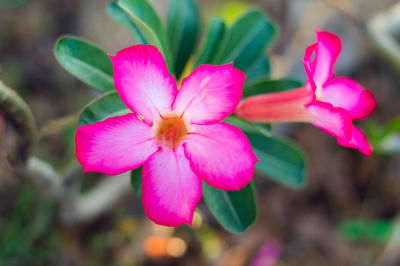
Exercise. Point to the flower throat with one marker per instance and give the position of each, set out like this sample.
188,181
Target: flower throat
170,131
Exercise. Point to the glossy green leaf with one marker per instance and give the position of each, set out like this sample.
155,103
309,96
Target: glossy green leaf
365,230
136,182
149,24
183,30
260,69
119,15
106,106
234,210
262,86
280,159
214,36
246,40
86,62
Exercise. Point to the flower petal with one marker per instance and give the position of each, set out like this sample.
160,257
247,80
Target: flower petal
308,66
210,93
170,189
349,95
143,82
358,141
285,106
327,51
334,121
221,155
115,145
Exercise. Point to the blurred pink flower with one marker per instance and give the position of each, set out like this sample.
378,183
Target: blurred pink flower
178,137
268,254
328,102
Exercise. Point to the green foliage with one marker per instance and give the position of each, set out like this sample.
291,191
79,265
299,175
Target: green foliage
264,85
234,210
214,36
392,127
148,22
86,62
260,69
136,182
365,230
106,106
280,159
183,29
246,41
385,139
119,15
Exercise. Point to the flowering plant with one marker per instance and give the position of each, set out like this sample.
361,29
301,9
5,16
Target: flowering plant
142,118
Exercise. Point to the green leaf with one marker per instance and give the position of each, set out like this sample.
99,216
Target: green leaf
234,210
260,69
262,86
136,182
280,159
246,127
119,15
86,62
106,106
183,29
365,230
212,42
392,127
246,40
147,21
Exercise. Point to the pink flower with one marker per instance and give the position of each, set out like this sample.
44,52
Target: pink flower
268,254
178,137
328,102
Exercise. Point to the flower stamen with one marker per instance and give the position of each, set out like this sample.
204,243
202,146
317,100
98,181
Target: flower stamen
170,131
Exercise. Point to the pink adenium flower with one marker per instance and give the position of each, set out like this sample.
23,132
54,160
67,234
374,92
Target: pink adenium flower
328,102
178,137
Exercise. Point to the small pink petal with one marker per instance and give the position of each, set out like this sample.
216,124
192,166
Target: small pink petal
143,82
286,106
210,93
221,155
170,189
349,95
358,141
327,51
308,66
334,121
268,254
115,145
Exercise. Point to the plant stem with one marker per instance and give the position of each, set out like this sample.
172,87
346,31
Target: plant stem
20,115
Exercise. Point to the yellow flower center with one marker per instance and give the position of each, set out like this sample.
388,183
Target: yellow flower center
170,131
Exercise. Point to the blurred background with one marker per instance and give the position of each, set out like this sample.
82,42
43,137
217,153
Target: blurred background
348,213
